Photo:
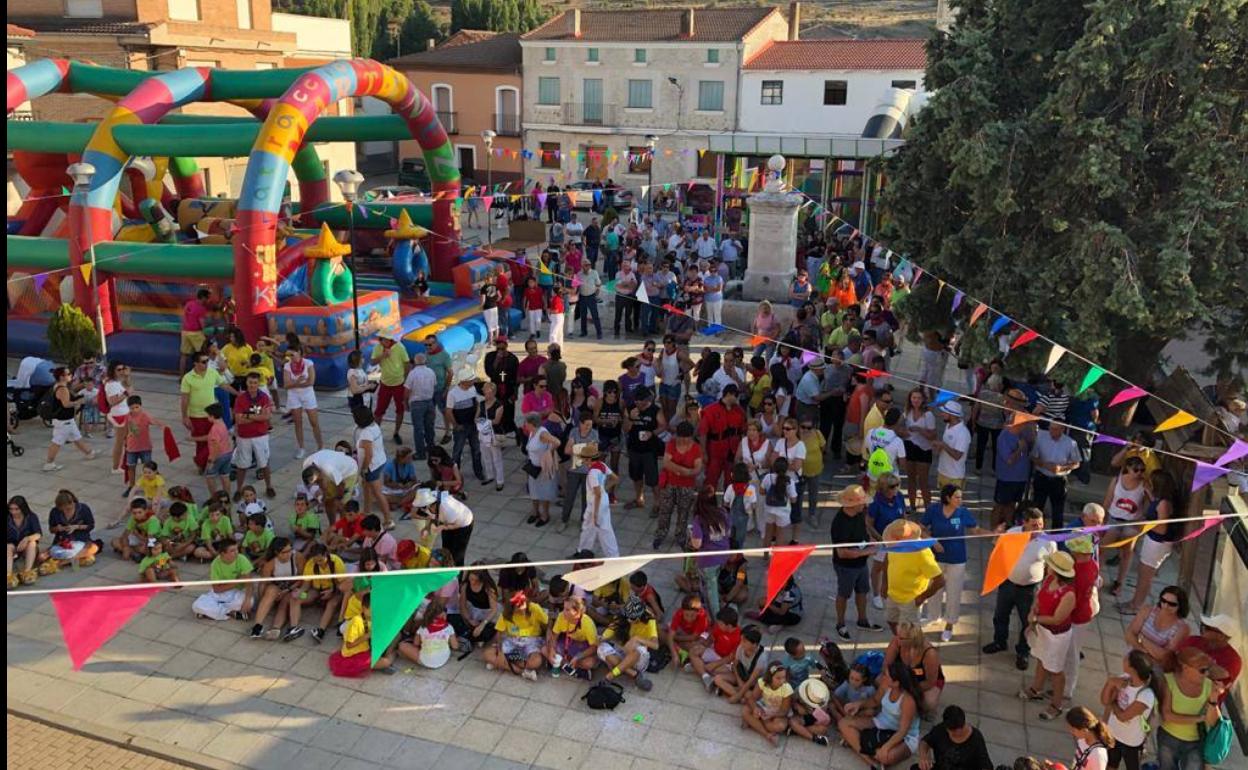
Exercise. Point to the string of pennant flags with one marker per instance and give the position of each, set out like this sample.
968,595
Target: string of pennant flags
89,616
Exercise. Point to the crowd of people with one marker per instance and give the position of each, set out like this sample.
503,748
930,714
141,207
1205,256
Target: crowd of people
722,451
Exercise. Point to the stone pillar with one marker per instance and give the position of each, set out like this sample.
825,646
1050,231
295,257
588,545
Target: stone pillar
773,240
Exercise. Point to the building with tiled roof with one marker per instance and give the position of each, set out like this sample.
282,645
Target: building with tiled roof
655,25
842,54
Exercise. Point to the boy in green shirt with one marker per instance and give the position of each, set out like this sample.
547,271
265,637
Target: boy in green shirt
305,524
140,527
231,593
179,531
157,566
216,527
257,539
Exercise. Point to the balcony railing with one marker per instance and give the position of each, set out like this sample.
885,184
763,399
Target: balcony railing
588,114
507,124
447,119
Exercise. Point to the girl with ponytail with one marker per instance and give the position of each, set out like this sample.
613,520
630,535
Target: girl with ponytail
1092,740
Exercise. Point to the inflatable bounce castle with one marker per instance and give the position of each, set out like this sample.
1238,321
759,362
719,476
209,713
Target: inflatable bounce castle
157,238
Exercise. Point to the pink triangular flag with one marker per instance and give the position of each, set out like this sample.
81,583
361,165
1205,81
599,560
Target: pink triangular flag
1128,394
541,200
1202,529
1206,474
1237,450
487,201
90,618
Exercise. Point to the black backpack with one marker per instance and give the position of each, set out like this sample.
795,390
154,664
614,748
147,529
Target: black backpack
604,696
48,405
659,659
778,493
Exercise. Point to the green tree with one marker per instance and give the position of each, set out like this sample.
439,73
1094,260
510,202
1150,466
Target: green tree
370,19
1084,168
418,25
497,15
72,336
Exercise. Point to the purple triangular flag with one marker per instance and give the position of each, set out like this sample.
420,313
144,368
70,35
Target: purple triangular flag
957,300
1237,450
1103,438
1206,474
40,279
362,209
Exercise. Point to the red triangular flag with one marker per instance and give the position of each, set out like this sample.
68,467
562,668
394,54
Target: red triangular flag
673,309
784,562
1024,338
871,374
90,618
171,445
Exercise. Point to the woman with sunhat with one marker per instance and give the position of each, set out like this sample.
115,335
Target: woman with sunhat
810,718
450,516
1049,631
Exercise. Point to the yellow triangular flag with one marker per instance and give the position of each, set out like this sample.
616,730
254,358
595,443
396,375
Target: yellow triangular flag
541,266
939,289
1176,420
701,152
1055,355
85,267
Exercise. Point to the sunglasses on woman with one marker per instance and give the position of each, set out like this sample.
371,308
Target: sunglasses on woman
1164,602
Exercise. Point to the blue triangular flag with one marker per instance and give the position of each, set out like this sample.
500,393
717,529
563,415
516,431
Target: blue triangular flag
942,397
713,329
1000,324
910,546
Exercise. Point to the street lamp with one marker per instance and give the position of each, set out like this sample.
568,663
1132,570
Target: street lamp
487,136
82,173
652,141
349,181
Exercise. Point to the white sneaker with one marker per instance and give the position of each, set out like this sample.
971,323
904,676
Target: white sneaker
117,471
877,602
946,635
529,674
50,467
300,454
91,455
489,666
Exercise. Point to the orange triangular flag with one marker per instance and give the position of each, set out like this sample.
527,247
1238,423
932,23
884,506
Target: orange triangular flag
1022,418
1176,420
1005,554
976,313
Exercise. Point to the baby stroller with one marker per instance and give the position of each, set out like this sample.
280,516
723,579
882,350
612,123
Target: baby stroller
24,391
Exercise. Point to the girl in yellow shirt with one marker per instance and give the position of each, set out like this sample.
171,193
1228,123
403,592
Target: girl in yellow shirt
354,657
522,627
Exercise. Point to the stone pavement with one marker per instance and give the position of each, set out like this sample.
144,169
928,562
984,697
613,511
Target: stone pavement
35,744
206,688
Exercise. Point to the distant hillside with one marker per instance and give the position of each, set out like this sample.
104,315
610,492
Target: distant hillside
820,18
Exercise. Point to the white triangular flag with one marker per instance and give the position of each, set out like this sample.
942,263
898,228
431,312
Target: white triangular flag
642,296
1055,355
593,578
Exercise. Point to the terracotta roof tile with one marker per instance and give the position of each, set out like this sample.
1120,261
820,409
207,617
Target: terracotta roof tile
495,52
653,25
16,31
881,54
467,36
86,26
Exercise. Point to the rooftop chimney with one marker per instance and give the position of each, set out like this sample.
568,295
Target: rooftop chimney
576,22
795,20
431,43
686,23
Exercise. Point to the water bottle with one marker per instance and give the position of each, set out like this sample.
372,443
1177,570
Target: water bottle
555,666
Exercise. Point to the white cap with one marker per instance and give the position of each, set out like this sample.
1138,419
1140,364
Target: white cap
1221,622
425,497
953,408
858,266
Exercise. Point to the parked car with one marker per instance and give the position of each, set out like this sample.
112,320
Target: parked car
582,194
412,173
388,192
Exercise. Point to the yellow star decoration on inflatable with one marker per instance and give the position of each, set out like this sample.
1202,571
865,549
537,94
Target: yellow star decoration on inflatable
328,247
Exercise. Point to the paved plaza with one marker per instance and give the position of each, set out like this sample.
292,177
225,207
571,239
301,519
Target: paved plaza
205,689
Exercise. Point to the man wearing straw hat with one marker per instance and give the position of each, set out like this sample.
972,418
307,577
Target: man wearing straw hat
913,576
596,522
462,404
850,563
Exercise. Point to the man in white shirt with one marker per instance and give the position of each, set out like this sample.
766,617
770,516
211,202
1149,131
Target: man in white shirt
587,298
730,252
336,473
705,246
596,522
952,447
1018,591
886,440
676,243
574,232
462,408
626,306
420,386
452,518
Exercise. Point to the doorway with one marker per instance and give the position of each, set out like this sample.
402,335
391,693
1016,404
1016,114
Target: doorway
467,156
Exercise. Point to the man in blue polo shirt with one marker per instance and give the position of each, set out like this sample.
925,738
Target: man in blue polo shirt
1013,461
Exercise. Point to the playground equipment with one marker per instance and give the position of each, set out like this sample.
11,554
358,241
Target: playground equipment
148,248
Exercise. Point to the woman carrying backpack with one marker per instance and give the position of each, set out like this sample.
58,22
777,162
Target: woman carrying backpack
779,492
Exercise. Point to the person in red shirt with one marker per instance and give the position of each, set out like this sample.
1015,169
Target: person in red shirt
688,626
347,532
534,304
678,474
721,429
252,411
1087,603
1215,641
716,650
505,299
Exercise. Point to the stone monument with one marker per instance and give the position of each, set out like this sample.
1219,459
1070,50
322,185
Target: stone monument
773,238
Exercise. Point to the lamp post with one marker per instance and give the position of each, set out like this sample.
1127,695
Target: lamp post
652,142
82,173
349,181
487,136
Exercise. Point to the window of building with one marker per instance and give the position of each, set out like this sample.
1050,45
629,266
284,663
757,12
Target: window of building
591,55
639,94
244,13
639,160
89,9
548,90
184,10
550,54
711,95
708,164
211,64
265,65
712,56
835,91
548,154
910,84
773,92
639,55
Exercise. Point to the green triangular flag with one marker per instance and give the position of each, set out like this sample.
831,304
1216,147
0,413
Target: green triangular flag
64,190
395,598
610,286
1090,378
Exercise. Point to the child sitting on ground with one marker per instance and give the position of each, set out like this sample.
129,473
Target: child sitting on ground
734,681
179,532
734,581
216,527
256,540
354,658
766,708
305,525
857,687
157,566
626,645
248,503
346,534
810,718
433,640
715,650
799,661
140,527
689,625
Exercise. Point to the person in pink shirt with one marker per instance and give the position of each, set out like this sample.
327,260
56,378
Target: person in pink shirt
382,543
138,430
193,314
538,401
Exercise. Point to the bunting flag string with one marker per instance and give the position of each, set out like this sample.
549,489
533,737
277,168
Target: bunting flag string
957,300
1237,450
1206,474
1177,420
998,325
592,578
785,560
90,618
1005,554
85,268
1144,530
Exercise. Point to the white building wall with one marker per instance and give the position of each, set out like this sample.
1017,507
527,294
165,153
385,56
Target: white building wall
803,111
315,36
